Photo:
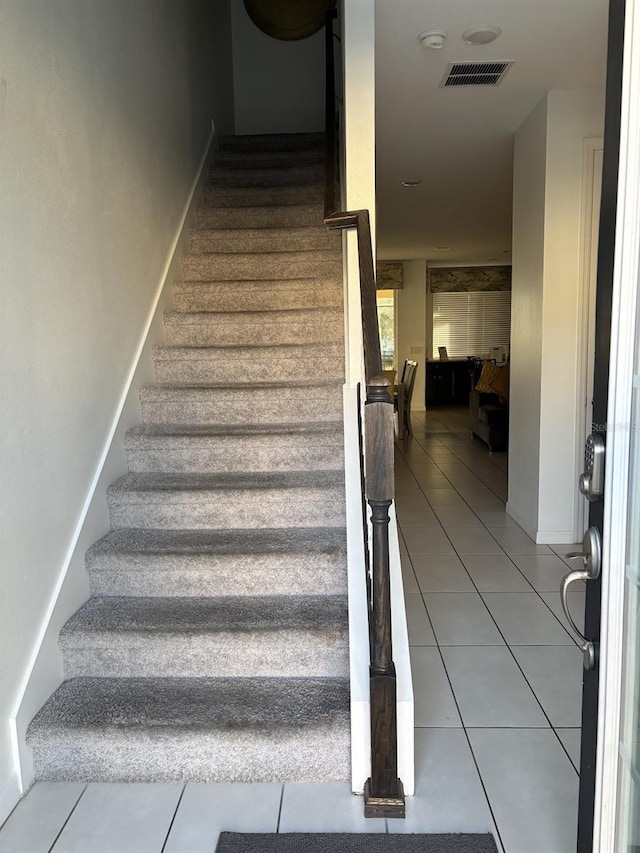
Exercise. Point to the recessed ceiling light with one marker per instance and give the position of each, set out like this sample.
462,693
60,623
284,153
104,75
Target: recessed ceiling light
415,183
492,259
484,34
432,39
443,248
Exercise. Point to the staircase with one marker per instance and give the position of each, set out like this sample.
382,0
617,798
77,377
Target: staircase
214,646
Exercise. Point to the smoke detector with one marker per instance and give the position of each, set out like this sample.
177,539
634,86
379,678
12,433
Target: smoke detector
432,39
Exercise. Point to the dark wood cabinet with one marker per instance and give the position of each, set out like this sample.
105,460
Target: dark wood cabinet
448,382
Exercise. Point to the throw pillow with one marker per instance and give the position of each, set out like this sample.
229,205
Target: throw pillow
501,384
487,378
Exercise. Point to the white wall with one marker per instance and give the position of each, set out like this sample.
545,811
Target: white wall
572,117
105,111
411,307
358,142
279,85
529,183
545,311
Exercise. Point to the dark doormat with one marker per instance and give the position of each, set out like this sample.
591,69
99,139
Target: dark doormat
306,842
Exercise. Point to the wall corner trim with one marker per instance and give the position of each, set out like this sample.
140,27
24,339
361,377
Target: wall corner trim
521,518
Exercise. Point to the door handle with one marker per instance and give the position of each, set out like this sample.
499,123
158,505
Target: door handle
591,556
591,553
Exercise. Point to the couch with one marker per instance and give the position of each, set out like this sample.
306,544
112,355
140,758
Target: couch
489,418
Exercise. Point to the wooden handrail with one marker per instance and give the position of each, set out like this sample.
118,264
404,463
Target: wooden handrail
383,792
359,219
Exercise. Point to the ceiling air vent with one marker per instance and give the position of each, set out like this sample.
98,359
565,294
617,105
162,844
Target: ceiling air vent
475,73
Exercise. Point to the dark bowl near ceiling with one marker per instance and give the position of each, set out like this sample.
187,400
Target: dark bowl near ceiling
289,20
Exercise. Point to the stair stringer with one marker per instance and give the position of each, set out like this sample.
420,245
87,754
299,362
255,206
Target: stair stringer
358,611
44,672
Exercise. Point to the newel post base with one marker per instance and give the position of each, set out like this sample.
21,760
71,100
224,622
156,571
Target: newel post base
392,806
383,791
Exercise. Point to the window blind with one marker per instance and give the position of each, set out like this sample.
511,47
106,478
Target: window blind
470,323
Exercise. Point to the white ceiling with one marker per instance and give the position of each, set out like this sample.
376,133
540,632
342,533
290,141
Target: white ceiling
459,141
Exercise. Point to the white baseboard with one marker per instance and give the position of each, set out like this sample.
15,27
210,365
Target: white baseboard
9,796
44,672
540,537
555,537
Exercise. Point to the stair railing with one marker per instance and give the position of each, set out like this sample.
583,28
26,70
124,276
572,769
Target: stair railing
383,792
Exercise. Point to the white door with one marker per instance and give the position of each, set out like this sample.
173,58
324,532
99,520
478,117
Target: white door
628,805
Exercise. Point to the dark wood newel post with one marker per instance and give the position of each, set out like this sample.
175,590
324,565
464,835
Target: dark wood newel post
384,796
383,792
381,651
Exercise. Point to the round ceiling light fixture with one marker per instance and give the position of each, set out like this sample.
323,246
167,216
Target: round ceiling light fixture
484,34
432,39
415,183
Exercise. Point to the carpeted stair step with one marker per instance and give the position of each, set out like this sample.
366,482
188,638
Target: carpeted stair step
268,159
206,730
261,196
266,403
233,501
209,266
253,328
249,364
214,646
184,563
180,448
243,240
258,295
265,216
250,143
281,176
258,636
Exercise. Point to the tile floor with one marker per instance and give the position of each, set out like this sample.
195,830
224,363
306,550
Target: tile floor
495,671
497,682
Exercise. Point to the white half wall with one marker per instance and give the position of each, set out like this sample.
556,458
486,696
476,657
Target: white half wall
411,308
106,111
279,85
546,312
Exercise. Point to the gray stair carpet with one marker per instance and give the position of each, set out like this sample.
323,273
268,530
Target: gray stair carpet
214,646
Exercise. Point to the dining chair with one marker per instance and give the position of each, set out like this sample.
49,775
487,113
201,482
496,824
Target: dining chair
403,395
